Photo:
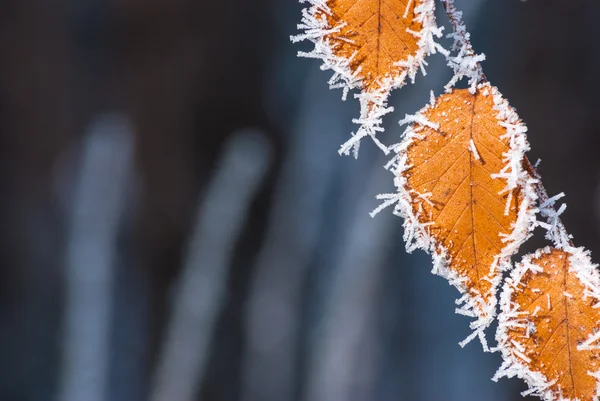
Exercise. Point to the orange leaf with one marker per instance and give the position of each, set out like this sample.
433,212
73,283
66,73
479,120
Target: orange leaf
374,35
549,313
372,45
464,194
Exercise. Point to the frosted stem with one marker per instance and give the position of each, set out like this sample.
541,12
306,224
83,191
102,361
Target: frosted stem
460,34
465,62
557,232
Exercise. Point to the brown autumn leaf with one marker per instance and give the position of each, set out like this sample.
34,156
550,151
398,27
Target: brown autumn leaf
548,314
453,173
371,45
374,35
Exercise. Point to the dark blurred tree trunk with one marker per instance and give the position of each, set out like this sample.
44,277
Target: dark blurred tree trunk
34,125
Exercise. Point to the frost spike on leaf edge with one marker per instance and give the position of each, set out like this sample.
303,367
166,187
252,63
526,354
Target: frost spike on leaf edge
373,104
416,234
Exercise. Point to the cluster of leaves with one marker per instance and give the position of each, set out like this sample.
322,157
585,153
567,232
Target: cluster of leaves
467,192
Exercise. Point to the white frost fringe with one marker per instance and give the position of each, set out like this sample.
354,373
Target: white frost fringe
417,234
515,362
465,63
373,105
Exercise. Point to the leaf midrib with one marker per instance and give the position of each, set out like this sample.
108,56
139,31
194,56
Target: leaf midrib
472,206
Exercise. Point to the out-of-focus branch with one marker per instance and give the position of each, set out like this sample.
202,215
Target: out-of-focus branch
344,356
94,223
272,315
200,289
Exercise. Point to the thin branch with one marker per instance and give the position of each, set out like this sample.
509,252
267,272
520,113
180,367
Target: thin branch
554,225
466,63
461,36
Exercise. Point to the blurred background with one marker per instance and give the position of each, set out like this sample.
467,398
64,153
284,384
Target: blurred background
176,224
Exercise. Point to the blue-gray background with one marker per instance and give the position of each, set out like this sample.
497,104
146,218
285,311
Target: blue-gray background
316,301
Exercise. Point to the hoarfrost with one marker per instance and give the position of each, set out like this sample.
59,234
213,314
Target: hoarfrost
373,104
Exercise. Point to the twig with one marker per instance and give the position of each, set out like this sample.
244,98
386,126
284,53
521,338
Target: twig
461,36
465,62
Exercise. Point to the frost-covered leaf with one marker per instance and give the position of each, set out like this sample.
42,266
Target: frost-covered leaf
374,36
372,45
464,194
549,324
